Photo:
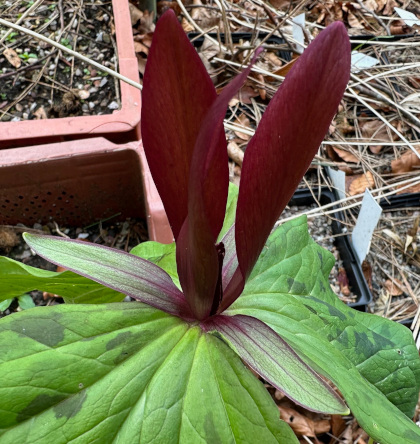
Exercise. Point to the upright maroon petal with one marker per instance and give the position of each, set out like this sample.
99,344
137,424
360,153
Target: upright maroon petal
287,139
198,258
177,94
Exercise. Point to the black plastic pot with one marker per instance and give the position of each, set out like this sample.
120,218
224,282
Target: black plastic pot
354,272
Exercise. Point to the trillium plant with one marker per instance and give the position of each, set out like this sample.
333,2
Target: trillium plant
229,295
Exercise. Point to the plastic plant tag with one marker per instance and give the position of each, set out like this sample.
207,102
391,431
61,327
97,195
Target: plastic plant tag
360,61
339,181
409,18
297,29
369,215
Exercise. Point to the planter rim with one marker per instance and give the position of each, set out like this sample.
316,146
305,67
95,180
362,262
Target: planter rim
38,157
123,120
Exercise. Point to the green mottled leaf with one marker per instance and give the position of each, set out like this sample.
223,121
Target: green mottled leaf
273,359
121,271
126,373
4,305
25,302
163,255
362,354
230,209
17,278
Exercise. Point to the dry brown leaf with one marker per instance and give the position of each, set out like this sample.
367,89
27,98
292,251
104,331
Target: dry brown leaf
261,90
413,189
358,183
40,113
389,8
367,273
303,425
343,281
47,295
345,155
338,425
135,14
285,68
140,47
353,21
381,4
394,287
343,125
375,129
279,3
243,120
406,163
12,57
207,18
245,94
414,82
186,25
141,63
235,153
399,27
8,238
372,5
272,58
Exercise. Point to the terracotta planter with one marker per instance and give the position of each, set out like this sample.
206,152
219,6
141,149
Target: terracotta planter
80,182
121,126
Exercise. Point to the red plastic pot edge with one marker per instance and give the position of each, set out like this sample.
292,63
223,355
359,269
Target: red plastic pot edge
89,178
121,126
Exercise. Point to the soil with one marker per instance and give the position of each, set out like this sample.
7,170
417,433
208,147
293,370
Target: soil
120,235
39,81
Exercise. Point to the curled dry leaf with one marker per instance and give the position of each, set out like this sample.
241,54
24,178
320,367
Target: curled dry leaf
338,425
40,113
346,155
414,82
394,237
303,425
186,25
235,153
389,7
343,282
378,131
394,287
399,27
413,189
406,163
272,58
285,68
140,47
243,121
367,273
358,183
135,14
12,57
279,3
244,95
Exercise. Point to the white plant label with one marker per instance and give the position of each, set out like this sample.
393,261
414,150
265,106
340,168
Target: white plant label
298,24
409,18
360,61
369,215
338,179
